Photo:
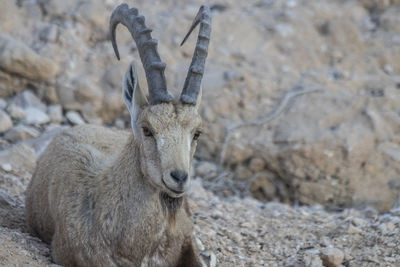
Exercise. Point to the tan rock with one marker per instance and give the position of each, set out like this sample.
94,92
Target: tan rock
21,133
20,157
331,257
17,58
5,122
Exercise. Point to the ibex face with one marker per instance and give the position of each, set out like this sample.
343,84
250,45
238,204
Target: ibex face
165,130
168,135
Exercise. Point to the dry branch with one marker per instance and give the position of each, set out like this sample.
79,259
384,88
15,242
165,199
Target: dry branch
261,121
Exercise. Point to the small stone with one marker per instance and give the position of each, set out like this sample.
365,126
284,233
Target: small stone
6,167
396,203
199,244
210,258
20,157
5,122
395,220
331,257
35,116
239,153
262,186
16,112
235,236
49,34
74,118
389,259
5,199
358,222
353,230
242,172
246,225
390,226
395,211
256,164
388,69
205,168
120,124
20,133
3,104
55,113
27,99
325,241
371,213
311,258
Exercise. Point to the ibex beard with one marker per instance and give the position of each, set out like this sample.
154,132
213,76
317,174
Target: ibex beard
104,197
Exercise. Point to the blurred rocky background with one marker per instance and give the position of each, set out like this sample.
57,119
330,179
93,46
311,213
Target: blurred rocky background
337,149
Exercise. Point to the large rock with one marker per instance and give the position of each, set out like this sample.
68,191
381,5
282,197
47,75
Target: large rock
20,157
5,122
9,84
334,147
21,133
35,116
27,99
18,58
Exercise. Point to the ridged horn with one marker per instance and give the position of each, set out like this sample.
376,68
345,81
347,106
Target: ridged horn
192,84
147,46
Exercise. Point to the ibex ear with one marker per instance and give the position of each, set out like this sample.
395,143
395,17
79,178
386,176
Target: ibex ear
134,98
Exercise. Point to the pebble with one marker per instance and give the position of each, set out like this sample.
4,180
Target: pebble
35,116
211,258
325,241
256,164
331,257
199,244
120,124
3,103
358,222
16,112
353,230
6,167
371,213
74,118
5,122
390,226
395,211
205,168
27,99
55,113
20,133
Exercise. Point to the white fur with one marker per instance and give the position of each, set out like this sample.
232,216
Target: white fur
189,142
160,143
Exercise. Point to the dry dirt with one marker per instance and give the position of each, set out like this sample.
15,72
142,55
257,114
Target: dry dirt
247,232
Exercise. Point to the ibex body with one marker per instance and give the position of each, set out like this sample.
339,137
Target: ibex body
115,198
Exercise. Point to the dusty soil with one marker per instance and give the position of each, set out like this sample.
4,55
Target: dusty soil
247,232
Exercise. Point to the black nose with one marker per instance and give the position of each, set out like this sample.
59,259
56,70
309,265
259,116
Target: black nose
179,176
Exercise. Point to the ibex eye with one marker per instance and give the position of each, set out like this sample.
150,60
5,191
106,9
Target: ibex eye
196,135
147,132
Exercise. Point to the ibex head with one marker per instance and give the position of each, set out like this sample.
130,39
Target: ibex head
166,130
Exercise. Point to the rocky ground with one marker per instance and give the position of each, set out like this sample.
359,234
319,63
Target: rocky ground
247,232
332,156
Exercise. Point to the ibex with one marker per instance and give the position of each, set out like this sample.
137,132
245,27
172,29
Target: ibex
104,197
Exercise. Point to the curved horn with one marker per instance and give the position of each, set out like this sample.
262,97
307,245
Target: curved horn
191,87
147,47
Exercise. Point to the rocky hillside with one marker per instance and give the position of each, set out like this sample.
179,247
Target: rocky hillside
336,148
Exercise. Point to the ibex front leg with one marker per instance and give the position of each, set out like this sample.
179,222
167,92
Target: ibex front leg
189,256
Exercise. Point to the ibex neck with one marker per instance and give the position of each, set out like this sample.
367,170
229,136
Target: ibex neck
128,170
